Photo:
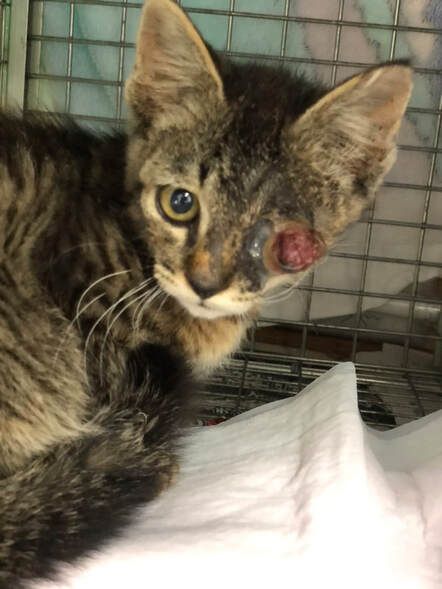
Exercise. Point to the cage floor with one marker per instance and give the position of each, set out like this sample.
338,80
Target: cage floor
387,397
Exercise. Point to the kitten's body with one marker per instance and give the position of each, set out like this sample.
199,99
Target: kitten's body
67,222
93,397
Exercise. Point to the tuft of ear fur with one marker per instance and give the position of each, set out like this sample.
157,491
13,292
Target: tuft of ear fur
175,81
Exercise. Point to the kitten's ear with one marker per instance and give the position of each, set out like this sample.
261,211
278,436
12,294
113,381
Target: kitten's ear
175,80
367,108
349,134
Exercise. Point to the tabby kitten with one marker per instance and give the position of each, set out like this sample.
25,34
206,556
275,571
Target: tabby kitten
132,264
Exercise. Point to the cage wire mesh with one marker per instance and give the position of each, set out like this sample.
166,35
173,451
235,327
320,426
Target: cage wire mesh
377,300
4,38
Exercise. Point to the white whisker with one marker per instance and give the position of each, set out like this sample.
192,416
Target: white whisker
75,247
80,300
86,306
280,296
109,329
71,323
161,304
147,294
149,300
79,312
106,314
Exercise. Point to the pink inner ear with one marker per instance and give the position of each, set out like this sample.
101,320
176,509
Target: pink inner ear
297,247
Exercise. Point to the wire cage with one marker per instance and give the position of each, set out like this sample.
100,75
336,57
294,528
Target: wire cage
4,37
377,300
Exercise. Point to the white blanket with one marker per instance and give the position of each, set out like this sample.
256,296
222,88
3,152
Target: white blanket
298,493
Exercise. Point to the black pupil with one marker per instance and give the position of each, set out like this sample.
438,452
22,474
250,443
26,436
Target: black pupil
181,201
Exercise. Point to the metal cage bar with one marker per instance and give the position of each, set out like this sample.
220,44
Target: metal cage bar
15,40
4,39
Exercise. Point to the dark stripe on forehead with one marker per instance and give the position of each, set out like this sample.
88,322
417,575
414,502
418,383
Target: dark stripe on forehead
203,172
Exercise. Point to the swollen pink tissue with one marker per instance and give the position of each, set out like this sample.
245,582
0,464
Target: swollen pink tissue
297,248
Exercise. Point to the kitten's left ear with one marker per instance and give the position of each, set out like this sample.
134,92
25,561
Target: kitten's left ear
175,80
348,137
366,109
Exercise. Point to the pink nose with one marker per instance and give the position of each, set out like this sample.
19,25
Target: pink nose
294,248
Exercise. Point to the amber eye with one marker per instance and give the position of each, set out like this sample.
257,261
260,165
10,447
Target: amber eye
178,204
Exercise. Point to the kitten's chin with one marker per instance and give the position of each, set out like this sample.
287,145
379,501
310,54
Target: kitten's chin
202,312
209,311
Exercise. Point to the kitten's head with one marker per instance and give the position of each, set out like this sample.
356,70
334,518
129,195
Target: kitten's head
248,174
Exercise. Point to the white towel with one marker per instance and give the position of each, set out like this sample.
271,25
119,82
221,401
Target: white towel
297,493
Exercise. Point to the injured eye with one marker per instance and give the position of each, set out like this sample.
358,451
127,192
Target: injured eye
177,204
294,249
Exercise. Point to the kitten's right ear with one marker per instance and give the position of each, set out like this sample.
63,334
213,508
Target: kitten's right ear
175,81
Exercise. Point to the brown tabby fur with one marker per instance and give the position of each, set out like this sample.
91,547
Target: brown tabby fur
93,397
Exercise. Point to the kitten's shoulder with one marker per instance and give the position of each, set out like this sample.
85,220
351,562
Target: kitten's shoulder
49,131
56,138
